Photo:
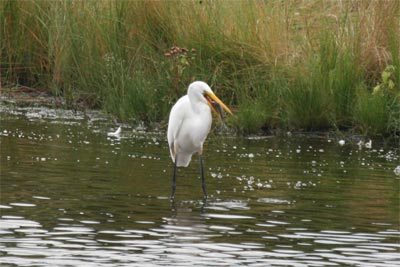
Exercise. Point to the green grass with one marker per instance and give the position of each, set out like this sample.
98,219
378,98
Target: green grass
280,64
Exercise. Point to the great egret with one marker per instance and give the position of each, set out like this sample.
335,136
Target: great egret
189,124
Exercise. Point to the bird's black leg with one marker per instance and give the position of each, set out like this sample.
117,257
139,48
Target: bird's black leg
203,182
174,179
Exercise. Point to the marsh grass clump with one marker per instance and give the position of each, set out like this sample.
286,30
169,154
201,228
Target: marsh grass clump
378,112
310,65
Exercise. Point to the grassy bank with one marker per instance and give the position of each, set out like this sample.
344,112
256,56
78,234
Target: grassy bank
297,65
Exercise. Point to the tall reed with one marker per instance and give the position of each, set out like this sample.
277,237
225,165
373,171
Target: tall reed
301,65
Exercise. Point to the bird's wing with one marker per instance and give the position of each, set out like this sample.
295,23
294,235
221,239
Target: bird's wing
176,118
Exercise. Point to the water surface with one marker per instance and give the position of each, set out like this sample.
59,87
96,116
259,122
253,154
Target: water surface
71,196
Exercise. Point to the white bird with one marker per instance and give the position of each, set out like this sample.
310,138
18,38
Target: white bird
368,144
189,124
397,170
360,144
116,133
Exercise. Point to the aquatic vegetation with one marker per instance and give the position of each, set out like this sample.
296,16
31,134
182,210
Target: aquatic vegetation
283,64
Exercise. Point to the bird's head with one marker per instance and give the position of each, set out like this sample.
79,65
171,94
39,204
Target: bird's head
201,91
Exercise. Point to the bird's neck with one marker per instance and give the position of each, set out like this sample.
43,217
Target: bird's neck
197,101
198,106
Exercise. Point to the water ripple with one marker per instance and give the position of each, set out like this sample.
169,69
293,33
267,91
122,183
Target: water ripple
72,197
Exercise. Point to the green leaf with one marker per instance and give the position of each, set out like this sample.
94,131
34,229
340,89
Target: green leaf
391,84
377,89
385,76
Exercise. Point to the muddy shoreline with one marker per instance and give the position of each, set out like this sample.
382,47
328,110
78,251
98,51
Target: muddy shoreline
29,97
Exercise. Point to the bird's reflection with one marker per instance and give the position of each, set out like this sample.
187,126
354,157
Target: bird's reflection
187,222
203,205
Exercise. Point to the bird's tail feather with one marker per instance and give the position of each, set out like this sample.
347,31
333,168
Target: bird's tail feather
183,160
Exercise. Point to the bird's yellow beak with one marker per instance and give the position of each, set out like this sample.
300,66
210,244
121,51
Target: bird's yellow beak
215,104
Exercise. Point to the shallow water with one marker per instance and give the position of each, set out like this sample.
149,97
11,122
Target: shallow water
71,196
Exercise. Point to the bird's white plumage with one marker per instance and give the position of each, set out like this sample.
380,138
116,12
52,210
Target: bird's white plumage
189,124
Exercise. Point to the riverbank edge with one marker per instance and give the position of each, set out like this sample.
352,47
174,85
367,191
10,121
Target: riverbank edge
30,97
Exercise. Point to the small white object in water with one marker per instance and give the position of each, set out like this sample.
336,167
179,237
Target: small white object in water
397,170
360,144
116,133
368,144
341,142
